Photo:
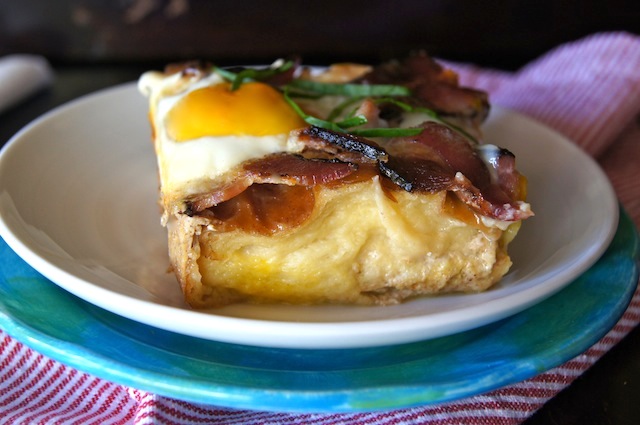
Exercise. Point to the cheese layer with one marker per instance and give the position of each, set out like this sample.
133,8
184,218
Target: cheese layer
379,251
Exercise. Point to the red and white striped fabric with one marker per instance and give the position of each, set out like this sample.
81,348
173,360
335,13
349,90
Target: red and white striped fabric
589,90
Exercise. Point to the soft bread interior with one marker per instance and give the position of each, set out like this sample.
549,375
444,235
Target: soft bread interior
361,245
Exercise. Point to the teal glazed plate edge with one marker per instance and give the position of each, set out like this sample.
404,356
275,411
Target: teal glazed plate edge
76,333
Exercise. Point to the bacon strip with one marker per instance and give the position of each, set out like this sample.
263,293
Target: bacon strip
287,169
417,174
507,177
297,170
460,169
433,86
439,159
323,139
264,209
439,143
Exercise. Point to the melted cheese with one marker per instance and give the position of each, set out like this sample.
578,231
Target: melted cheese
379,251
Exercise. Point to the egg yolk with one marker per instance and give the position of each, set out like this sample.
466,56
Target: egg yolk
254,109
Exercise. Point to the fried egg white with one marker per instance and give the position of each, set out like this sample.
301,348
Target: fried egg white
203,129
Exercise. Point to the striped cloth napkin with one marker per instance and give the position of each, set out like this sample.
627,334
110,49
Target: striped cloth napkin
589,90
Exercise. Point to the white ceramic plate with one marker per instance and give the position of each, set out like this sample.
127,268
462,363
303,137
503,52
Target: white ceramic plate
78,191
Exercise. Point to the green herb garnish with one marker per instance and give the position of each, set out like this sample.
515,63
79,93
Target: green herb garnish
345,125
385,132
353,121
430,113
338,110
381,93
350,90
309,119
251,74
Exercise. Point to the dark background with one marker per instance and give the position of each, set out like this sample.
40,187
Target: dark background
503,34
